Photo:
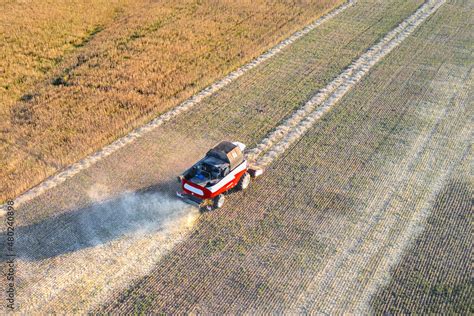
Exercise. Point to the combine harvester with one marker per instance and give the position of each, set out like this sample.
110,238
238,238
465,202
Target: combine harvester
223,168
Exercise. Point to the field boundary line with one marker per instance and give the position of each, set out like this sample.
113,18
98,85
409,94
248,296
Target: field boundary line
90,160
304,118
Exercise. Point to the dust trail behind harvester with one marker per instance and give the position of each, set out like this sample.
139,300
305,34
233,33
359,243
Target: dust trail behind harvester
304,118
72,262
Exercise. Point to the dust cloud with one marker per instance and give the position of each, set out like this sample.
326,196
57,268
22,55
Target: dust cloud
75,260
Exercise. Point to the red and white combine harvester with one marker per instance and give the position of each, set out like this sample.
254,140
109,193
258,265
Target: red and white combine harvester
222,169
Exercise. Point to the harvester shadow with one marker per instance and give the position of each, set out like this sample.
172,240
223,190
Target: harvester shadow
147,210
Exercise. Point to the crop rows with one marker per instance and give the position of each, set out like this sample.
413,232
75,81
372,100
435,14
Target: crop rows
322,228
264,250
186,105
432,277
406,198
252,107
303,119
248,109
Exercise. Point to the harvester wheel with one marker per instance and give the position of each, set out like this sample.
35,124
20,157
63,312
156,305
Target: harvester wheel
244,181
219,201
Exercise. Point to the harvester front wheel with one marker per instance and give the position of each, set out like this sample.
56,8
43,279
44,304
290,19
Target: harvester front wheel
219,201
244,181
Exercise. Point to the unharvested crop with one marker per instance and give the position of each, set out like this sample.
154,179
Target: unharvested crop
35,36
320,231
125,72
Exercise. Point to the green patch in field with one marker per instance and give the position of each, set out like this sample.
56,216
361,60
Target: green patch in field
215,244
262,288
142,305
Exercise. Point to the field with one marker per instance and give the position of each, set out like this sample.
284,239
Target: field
327,246
36,36
73,81
431,278
364,126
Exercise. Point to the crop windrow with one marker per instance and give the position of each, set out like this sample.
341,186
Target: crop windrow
303,119
231,288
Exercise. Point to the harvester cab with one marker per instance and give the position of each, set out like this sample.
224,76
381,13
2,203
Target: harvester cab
223,168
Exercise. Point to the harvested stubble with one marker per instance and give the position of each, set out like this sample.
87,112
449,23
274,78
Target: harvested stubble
321,230
433,277
149,225
303,119
155,56
256,101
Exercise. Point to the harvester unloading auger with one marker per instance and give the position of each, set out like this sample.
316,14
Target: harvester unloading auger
223,168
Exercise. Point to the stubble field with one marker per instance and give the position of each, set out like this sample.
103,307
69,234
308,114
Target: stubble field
337,221
433,277
322,229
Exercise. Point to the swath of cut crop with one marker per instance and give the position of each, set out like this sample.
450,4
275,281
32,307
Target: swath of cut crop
304,118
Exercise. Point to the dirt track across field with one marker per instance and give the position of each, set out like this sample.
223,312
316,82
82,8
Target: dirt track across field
319,231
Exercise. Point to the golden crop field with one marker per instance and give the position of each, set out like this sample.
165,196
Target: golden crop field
362,123
78,74
36,35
